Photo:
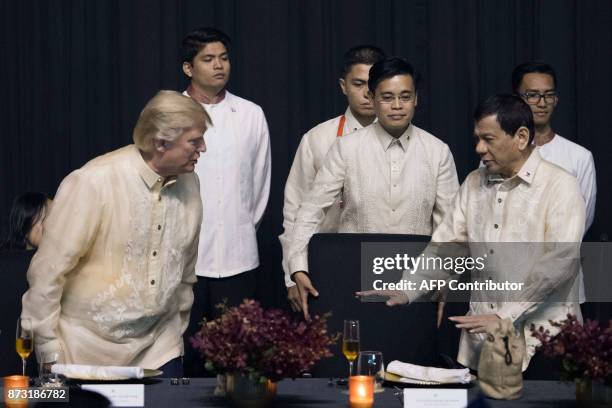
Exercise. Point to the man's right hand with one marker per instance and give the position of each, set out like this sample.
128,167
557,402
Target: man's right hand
394,297
293,295
305,288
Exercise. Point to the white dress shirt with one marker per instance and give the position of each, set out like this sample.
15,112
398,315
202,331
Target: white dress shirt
542,203
308,160
403,186
578,161
234,184
111,283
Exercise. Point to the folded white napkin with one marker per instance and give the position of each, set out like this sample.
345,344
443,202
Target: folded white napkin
97,372
417,372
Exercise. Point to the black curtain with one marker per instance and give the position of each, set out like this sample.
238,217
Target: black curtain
75,75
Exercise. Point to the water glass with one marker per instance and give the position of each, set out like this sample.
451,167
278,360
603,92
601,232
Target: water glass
46,378
371,363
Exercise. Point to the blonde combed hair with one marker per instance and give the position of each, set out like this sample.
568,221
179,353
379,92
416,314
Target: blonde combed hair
165,117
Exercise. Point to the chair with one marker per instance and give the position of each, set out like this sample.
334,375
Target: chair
401,333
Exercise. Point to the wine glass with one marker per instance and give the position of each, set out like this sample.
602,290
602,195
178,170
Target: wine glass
24,340
371,363
350,342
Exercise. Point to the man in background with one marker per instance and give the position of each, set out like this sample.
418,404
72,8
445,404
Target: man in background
316,142
234,183
536,83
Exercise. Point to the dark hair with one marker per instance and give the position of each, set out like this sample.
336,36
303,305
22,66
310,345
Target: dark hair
530,67
512,113
361,54
197,39
26,211
388,68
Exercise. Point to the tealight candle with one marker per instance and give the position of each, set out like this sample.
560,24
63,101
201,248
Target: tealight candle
11,384
361,391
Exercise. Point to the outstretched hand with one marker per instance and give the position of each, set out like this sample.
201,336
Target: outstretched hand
394,297
474,323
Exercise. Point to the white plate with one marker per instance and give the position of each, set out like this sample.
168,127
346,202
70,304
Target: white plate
404,380
148,373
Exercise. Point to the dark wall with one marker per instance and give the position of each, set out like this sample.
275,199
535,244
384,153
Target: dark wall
75,75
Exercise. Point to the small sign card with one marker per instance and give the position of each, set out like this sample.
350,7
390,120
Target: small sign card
120,395
435,398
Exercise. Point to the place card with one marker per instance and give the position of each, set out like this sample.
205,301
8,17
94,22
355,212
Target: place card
120,395
435,398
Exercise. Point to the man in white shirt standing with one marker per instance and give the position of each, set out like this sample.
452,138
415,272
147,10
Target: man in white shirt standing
316,142
536,83
234,184
393,176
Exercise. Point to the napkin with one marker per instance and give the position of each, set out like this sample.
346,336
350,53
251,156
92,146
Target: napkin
97,372
417,372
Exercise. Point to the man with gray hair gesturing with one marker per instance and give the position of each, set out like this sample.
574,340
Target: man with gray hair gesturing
111,283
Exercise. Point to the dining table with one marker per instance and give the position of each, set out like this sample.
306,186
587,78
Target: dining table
318,392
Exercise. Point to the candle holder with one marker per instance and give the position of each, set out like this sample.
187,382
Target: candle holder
361,391
12,383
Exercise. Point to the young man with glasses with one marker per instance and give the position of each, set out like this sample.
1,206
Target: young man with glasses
394,177
536,83
316,142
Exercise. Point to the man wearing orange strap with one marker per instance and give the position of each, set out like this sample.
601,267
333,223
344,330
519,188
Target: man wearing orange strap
317,141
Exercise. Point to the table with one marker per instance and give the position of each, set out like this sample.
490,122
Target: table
316,392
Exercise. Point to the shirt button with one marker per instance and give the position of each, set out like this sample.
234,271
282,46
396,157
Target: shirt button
154,253
152,281
160,180
491,251
393,210
496,226
395,185
499,200
158,227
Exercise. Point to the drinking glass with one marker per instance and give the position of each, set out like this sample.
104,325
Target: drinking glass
47,378
350,342
24,340
371,363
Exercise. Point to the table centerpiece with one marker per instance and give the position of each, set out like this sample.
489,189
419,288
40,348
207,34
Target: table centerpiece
254,348
585,351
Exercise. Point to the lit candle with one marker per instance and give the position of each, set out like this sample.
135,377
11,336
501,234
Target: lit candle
12,383
361,391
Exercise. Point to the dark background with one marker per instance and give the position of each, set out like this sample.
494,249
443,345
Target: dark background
75,75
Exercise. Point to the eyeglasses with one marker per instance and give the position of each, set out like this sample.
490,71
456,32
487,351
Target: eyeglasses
386,98
533,98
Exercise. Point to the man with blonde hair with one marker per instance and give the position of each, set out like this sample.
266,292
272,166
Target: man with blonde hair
111,283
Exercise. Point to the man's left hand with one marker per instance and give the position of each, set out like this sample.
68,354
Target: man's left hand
474,323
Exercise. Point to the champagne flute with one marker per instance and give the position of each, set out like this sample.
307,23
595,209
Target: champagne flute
24,340
350,342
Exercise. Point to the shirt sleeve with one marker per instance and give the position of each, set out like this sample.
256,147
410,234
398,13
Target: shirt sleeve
185,289
447,185
262,170
588,188
448,240
559,264
70,231
301,177
326,188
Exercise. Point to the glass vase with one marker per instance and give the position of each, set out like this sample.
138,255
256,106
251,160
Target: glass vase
245,392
